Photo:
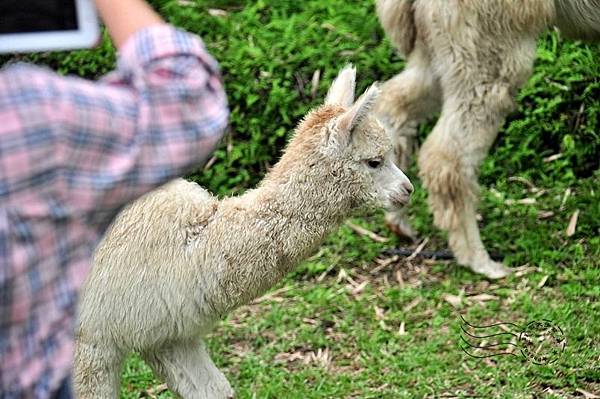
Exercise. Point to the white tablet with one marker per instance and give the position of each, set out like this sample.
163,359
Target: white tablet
44,25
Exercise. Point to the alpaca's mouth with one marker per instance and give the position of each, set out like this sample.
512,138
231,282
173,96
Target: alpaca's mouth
398,201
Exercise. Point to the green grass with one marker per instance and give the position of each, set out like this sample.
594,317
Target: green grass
332,328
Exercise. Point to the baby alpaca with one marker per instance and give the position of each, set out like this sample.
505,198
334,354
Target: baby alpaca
177,260
466,58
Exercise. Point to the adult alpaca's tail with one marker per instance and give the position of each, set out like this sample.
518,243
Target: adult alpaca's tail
398,21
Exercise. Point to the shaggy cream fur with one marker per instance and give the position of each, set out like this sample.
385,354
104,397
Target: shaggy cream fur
177,260
467,59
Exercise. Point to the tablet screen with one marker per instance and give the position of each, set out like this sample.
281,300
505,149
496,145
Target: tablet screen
29,16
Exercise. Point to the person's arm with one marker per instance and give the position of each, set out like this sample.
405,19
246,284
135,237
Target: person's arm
160,113
123,18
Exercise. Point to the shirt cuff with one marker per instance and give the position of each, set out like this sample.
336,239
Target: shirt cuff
162,41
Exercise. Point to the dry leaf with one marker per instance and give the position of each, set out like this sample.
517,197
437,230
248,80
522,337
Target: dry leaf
273,296
152,392
522,201
587,395
523,270
328,26
343,275
454,300
527,201
346,53
504,328
522,180
364,232
399,278
383,263
496,193
289,357
412,304
315,83
483,297
545,214
379,313
386,281
217,12
321,357
543,281
553,157
359,288
402,330
565,197
572,223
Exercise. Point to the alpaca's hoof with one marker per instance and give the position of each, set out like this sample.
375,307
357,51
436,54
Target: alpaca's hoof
398,224
490,269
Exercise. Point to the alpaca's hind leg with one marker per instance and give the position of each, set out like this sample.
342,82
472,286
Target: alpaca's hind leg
475,105
406,100
481,65
96,370
189,371
448,164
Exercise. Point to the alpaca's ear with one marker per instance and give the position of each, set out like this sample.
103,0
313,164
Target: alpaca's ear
342,89
361,108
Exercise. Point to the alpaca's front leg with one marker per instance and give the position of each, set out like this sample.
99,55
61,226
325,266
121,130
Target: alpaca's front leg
189,371
405,101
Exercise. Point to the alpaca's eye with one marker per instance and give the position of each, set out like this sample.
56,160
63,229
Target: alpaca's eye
374,163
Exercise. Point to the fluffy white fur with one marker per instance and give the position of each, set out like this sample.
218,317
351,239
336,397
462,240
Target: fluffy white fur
467,59
177,260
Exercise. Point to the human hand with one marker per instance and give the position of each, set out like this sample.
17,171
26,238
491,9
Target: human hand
123,18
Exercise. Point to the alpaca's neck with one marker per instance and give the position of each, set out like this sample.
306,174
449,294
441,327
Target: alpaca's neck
272,229
306,213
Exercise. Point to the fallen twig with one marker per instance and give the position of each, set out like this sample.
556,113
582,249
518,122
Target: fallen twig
364,232
418,250
383,264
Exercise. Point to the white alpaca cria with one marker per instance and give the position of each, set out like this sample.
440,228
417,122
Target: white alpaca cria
177,260
467,59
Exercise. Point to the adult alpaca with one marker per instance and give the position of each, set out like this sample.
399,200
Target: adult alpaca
466,58
177,260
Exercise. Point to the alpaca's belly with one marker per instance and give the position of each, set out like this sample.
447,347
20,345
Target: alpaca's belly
140,301
166,317
139,312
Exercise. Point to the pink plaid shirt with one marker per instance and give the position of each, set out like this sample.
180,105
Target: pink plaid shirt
72,153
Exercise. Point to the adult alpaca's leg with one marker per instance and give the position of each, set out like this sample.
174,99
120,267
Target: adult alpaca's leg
474,108
406,100
448,164
189,371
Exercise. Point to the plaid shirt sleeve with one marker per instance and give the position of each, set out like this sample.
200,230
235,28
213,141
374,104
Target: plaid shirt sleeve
72,153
